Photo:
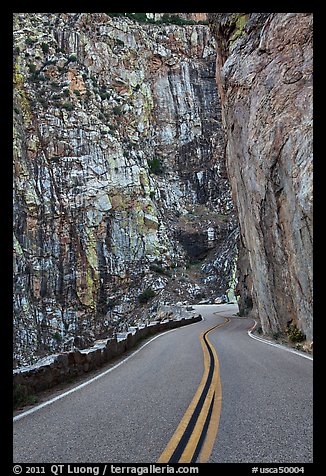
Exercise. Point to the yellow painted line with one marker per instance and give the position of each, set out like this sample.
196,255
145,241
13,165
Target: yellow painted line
215,387
195,436
173,443
215,417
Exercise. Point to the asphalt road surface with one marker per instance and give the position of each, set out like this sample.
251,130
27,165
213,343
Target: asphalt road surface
206,392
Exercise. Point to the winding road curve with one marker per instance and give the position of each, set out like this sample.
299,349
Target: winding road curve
206,392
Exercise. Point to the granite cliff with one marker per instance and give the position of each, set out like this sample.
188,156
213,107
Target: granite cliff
264,77
135,147
121,196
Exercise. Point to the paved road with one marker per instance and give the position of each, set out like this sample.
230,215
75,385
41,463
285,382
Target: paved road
258,397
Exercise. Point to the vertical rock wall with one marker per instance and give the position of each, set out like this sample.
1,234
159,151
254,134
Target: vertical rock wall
118,166
264,76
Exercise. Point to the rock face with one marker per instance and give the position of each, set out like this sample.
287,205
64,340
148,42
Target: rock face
121,197
264,76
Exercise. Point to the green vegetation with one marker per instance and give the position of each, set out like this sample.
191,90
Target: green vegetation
45,48
240,23
145,296
176,20
167,18
66,93
48,62
119,42
72,58
34,73
157,268
68,106
57,336
44,103
155,166
32,68
30,41
294,334
117,111
21,397
104,95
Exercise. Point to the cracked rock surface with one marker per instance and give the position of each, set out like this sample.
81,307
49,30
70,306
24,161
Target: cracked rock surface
264,76
121,197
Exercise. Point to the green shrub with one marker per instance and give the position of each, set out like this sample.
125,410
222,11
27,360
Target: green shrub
117,110
141,17
57,336
45,48
44,102
48,62
294,334
30,41
68,106
116,15
145,296
155,166
72,58
157,268
176,20
104,95
119,42
66,92
166,18
21,397
32,68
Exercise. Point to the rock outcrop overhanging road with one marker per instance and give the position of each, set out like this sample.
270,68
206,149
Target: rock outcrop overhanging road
254,400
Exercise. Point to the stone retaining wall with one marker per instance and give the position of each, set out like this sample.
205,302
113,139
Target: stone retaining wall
59,368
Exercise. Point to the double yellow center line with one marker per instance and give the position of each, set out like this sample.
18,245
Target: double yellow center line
196,433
